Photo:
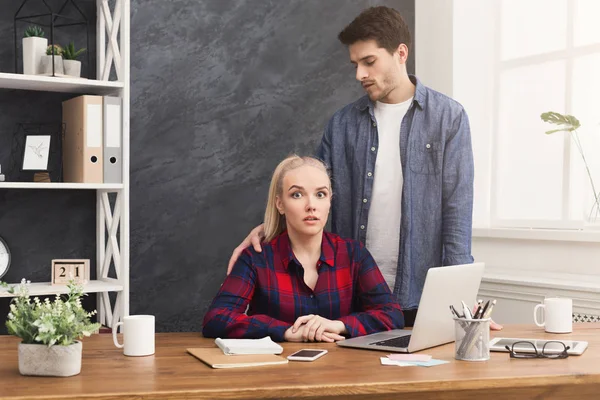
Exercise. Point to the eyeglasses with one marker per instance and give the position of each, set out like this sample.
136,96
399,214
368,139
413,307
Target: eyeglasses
526,349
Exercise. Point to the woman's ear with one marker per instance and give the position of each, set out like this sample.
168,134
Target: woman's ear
279,205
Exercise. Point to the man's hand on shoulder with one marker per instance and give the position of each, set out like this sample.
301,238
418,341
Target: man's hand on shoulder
254,238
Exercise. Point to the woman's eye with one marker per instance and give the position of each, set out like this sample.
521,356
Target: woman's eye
296,195
369,63
321,195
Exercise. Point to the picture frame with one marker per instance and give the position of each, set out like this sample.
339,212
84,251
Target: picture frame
19,158
36,152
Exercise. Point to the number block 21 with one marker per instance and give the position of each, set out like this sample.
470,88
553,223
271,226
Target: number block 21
65,270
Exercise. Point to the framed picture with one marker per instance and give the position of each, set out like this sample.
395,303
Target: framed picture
36,152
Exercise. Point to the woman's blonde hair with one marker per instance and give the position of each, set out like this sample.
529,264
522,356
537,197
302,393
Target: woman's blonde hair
274,221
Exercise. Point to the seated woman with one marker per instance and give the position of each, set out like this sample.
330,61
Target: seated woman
306,284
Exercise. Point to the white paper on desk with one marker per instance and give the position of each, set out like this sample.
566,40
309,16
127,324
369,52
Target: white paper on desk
387,361
248,346
409,357
430,363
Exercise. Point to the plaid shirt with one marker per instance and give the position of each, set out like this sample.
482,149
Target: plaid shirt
350,288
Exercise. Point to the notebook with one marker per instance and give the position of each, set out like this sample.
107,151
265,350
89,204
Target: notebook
215,358
249,346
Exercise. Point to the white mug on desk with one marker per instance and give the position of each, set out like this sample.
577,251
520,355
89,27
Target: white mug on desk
138,335
558,315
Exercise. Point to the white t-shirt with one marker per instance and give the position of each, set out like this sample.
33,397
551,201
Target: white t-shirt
383,230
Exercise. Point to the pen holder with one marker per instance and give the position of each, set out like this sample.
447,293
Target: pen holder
472,339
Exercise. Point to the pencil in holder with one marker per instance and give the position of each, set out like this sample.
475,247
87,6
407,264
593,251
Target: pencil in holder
472,339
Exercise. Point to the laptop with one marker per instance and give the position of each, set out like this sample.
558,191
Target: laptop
434,326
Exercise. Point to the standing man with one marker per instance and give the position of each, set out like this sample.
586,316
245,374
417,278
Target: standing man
401,163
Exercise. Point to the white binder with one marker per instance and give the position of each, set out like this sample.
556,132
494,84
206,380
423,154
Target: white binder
113,140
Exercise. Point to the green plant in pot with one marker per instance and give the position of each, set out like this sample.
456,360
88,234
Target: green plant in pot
54,48
72,66
34,46
49,331
34,31
53,55
570,124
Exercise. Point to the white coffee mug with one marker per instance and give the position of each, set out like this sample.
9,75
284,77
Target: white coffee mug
558,315
138,335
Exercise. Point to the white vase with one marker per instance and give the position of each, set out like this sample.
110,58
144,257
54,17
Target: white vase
72,67
41,360
33,50
46,65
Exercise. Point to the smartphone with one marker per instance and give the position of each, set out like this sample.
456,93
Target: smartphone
306,355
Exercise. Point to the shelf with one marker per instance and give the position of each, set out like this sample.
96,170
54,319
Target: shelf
58,84
45,288
56,185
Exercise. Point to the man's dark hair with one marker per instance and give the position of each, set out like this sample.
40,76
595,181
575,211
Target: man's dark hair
382,24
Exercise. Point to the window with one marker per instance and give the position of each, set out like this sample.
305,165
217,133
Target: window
512,61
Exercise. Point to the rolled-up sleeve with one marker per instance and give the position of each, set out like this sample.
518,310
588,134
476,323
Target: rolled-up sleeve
457,194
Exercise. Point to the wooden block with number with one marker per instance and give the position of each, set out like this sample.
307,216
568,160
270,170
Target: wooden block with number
65,270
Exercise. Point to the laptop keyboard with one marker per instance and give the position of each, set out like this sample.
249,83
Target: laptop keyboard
400,342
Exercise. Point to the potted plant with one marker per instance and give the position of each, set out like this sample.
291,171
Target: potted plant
49,331
71,65
34,46
570,124
53,53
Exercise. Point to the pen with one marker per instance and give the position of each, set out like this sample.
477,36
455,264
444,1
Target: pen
453,312
456,312
488,313
466,311
483,311
477,308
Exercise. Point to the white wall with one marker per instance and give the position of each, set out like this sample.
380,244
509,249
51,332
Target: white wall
433,38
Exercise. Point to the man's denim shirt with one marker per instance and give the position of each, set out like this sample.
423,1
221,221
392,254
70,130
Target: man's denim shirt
437,194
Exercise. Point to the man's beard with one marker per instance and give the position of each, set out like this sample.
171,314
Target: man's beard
387,88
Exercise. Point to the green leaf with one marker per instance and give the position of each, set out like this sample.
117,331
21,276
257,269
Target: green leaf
555,130
34,31
69,52
568,123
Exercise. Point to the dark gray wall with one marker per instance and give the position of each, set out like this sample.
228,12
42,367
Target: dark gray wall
221,91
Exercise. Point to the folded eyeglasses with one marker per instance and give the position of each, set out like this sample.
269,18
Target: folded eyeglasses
526,349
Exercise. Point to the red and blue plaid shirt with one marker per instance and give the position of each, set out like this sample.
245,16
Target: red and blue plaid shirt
350,288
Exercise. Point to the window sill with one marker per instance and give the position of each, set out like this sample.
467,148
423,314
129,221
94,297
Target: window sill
538,234
534,286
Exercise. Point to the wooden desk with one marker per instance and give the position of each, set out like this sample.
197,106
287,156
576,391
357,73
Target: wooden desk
343,373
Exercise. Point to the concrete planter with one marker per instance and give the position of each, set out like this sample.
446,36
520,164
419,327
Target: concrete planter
46,65
33,50
72,68
41,360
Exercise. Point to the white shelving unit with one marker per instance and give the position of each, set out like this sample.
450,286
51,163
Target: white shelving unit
57,84
110,220
44,288
55,185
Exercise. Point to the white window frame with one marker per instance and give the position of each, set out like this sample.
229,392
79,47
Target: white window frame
433,38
